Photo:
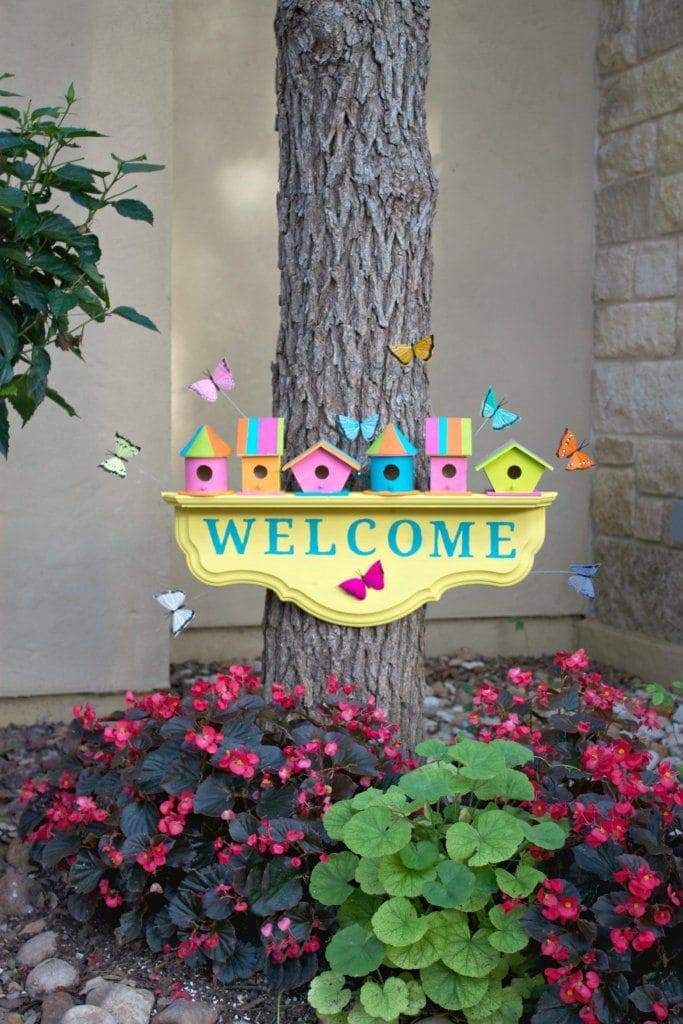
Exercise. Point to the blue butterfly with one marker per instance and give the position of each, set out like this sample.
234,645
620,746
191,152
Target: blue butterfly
492,409
582,582
351,428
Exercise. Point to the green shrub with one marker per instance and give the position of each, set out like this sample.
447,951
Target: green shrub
425,922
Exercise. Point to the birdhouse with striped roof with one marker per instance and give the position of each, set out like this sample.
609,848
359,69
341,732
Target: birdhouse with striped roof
448,443
391,461
513,470
206,462
323,469
260,443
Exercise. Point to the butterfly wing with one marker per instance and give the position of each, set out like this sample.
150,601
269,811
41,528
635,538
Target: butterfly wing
113,464
374,577
404,353
124,448
355,587
205,388
503,418
349,427
586,570
181,619
579,460
582,585
171,600
489,405
222,376
424,348
369,426
568,444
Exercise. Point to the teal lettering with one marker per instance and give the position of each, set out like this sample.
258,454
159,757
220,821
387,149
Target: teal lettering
275,536
450,543
231,533
496,539
392,537
314,540
352,540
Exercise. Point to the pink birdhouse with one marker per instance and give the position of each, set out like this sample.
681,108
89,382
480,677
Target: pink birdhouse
323,469
448,442
206,462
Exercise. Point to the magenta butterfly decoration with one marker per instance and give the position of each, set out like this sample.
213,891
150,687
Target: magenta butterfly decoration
220,380
357,586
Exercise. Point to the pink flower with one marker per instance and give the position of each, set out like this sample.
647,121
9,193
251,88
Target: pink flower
644,940
284,924
153,857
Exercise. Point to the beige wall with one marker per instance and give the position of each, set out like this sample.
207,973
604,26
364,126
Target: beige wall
81,553
511,121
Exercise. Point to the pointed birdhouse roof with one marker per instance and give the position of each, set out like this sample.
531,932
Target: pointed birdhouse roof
260,435
205,444
331,449
500,452
391,441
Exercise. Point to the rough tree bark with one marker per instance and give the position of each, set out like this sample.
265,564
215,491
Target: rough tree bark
355,208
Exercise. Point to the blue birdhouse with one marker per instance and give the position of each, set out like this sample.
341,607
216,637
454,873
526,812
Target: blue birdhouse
391,461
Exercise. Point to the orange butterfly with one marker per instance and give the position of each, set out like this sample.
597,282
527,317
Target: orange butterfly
570,449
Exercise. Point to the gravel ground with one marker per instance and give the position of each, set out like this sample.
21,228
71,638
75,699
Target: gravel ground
31,905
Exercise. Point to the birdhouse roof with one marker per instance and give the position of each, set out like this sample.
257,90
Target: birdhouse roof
331,449
205,444
500,452
391,441
448,435
260,435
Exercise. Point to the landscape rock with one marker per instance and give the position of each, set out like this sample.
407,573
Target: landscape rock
87,1015
54,1006
40,947
50,975
180,1011
34,927
15,888
18,853
126,1005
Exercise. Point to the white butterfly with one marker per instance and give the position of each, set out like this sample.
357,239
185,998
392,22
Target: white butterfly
173,601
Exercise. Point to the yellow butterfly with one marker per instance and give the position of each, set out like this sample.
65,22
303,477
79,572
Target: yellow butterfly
421,349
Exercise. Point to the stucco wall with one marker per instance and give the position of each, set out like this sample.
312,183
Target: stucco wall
81,552
511,122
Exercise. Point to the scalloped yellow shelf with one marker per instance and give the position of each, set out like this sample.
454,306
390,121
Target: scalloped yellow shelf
302,547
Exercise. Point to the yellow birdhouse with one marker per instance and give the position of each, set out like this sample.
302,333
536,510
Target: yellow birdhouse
513,469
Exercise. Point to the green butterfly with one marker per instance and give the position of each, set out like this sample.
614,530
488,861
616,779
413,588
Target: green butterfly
115,462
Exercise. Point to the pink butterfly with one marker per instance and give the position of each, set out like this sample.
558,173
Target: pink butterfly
357,586
220,380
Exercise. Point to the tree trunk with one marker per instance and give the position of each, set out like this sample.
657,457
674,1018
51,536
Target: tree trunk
355,208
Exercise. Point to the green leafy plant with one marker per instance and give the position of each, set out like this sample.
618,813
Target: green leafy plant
51,286
431,886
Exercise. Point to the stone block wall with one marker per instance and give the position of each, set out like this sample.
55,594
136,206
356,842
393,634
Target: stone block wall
638,374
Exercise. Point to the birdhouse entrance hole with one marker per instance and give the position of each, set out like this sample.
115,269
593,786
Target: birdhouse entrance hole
449,470
260,472
391,472
514,472
322,472
204,473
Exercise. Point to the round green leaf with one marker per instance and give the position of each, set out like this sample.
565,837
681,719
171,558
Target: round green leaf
548,835
358,908
416,996
461,840
422,953
398,880
454,886
386,1001
327,993
354,951
330,879
509,784
522,883
397,923
484,886
509,936
471,955
375,829
488,1004
419,856
480,760
429,783
514,753
336,818
392,798
499,836
367,876
359,1015
434,749
450,990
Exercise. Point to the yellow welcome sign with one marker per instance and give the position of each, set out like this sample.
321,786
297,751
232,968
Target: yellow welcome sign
303,547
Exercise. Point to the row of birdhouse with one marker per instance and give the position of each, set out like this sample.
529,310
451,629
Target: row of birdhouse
325,469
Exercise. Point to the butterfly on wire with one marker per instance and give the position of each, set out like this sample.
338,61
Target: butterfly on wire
210,387
422,350
173,601
582,578
493,411
570,449
351,428
115,462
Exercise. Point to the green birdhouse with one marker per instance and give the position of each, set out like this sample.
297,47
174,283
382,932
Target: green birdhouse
513,469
